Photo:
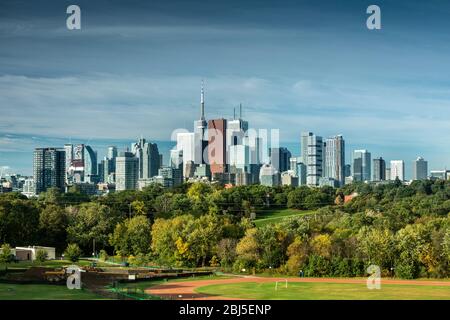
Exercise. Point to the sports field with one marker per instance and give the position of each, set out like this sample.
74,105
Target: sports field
302,289
325,291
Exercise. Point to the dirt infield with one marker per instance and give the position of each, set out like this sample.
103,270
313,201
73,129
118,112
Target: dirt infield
185,290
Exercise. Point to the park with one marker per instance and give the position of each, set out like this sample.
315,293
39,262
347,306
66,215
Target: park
106,281
250,242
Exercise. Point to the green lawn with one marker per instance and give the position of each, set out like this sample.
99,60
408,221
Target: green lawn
277,215
43,292
326,291
52,264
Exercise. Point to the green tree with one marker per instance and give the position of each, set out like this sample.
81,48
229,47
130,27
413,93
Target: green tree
377,245
72,252
226,251
248,249
298,254
52,226
6,255
132,237
91,222
19,221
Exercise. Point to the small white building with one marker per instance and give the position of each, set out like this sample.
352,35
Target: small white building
29,253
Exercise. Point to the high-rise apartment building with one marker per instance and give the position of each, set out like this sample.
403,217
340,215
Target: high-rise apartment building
397,170
68,148
279,158
127,171
304,146
334,159
379,169
314,162
361,165
49,169
420,169
388,174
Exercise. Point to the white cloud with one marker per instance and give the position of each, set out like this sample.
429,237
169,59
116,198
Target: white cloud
111,106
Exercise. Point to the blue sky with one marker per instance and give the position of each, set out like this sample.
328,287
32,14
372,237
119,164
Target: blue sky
135,69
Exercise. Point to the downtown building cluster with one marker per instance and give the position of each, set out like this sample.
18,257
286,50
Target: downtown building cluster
224,151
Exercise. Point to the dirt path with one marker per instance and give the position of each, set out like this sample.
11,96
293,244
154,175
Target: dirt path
185,290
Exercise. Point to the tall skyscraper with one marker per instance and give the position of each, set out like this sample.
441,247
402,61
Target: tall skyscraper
112,152
78,152
347,170
127,171
398,170
299,169
255,149
334,159
109,165
186,144
236,130
200,126
238,154
107,169
49,169
420,169
279,158
388,174
68,148
361,165
90,165
304,146
176,159
149,160
217,146
379,169
239,158
314,162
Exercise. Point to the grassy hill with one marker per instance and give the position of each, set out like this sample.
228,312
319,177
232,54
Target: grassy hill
277,215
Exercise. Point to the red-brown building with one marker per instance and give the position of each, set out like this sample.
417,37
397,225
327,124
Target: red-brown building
217,147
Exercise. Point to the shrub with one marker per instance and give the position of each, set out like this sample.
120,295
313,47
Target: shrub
73,252
103,256
41,256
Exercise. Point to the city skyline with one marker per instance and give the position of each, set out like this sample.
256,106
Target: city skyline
318,69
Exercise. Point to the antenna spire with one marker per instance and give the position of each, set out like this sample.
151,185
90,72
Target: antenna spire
202,103
240,110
